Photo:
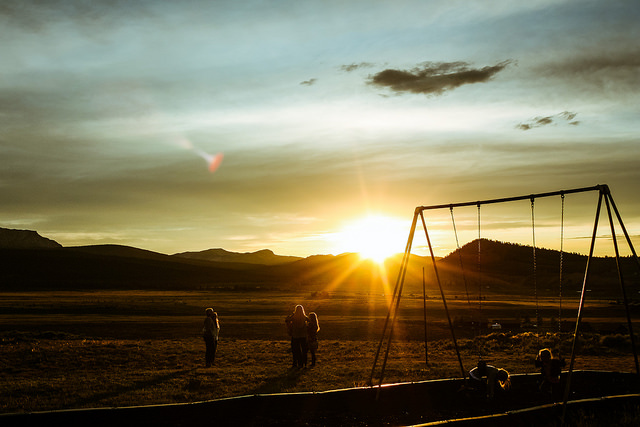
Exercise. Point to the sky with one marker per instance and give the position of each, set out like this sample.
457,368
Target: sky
319,114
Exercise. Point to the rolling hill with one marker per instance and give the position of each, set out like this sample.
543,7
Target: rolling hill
504,268
264,256
23,239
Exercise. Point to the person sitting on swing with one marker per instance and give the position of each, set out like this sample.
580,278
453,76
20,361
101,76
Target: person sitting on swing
489,378
550,369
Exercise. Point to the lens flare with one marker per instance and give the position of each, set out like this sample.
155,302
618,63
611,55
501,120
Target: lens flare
213,161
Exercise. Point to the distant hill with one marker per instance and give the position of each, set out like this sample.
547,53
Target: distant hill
105,267
120,251
124,267
508,268
22,239
265,256
499,268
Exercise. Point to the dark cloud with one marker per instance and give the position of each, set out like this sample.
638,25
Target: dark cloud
568,115
352,67
434,78
543,121
593,64
309,82
614,72
536,122
38,15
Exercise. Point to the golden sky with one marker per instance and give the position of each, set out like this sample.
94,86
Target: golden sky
325,112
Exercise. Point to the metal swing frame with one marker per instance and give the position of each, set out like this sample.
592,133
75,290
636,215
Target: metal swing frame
392,315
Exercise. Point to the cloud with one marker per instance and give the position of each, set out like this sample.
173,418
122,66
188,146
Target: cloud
352,67
537,122
611,72
434,78
567,115
89,17
309,82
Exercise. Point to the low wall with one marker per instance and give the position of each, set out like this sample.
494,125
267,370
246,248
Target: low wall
394,404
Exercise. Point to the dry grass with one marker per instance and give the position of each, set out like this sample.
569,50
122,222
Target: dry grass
111,348
46,373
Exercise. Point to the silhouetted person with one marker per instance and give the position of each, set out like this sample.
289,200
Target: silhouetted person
550,370
489,379
297,327
288,321
210,333
312,336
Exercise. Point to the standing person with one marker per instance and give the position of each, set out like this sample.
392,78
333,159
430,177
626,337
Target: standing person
312,336
289,322
210,333
299,321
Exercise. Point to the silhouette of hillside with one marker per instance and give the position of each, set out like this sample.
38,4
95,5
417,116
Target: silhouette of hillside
501,268
16,239
508,268
90,268
122,267
346,272
264,256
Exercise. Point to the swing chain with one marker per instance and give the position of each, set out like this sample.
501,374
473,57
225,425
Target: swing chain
455,232
479,266
561,264
535,279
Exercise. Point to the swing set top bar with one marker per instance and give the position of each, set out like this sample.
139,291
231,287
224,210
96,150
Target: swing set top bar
602,188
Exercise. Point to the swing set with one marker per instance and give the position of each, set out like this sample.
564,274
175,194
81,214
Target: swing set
612,210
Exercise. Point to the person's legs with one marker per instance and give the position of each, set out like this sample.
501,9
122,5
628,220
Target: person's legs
208,356
304,349
214,348
297,352
293,352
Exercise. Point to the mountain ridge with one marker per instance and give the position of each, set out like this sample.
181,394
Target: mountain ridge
24,239
506,268
263,256
29,239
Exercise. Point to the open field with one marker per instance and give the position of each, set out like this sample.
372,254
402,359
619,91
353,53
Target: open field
116,348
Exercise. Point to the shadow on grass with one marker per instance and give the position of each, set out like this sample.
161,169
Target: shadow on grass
280,383
138,385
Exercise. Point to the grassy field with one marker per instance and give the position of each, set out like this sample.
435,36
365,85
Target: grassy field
93,349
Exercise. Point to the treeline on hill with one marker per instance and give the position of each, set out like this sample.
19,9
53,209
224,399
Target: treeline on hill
503,268
510,268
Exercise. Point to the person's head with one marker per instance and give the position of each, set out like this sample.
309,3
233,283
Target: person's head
545,355
209,312
504,379
313,319
299,310
482,367
214,316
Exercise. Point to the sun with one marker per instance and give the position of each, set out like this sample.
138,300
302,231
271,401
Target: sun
375,237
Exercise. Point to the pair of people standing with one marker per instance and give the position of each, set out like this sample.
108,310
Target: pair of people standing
303,331
210,333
